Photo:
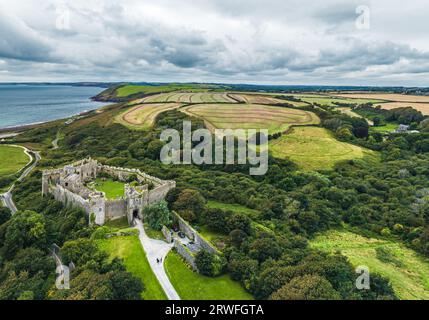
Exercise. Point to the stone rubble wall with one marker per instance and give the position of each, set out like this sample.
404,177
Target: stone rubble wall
192,234
167,234
182,251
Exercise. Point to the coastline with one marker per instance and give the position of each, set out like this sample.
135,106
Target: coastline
27,126
23,127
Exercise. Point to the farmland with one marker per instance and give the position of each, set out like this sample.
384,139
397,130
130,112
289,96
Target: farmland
190,97
263,99
422,107
315,148
234,116
12,159
146,89
386,97
393,100
332,101
143,116
348,111
407,271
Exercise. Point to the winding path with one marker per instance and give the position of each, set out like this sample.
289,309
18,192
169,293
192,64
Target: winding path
7,197
156,249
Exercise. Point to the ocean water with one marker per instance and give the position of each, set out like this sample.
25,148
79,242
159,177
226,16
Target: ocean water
28,104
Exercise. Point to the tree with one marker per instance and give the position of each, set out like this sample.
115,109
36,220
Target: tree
209,264
264,248
25,229
240,222
157,215
153,149
4,214
216,219
307,287
191,200
126,286
84,253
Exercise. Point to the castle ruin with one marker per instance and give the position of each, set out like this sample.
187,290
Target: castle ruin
69,185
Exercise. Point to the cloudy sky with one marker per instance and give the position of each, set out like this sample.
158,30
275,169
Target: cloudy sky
329,42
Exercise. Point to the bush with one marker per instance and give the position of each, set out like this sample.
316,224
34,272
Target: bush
157,215
210,264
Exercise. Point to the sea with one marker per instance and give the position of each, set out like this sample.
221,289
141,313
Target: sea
29,104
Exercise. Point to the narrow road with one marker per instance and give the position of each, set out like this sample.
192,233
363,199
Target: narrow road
7,197
157,249
55,141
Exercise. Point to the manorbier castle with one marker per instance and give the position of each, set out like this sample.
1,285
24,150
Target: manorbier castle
71,185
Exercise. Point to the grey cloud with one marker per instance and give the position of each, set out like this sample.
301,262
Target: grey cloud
18,41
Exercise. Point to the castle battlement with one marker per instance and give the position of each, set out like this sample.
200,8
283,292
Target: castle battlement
69,185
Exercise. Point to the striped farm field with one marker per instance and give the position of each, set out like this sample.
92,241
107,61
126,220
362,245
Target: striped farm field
250,116
314,148
143,116
263,99
190,97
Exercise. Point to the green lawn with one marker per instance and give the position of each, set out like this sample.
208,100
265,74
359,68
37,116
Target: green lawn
252,213
130,250
389,127
120,223
314,148
193,286
151,233
133,89
407,270
112,189
12,159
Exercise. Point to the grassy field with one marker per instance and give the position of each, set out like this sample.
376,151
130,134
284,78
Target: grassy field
422,107
130,250
407,271
112,189
239,116
394,100
348,111
12,159
252,213
193,286
263,99
133,89
328,100
143,116
315,148
386,97
191,97
121,223
389,127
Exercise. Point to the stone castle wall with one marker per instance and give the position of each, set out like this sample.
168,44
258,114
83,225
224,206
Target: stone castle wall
67,186
160,192
70,199
115,209
192,234
187,255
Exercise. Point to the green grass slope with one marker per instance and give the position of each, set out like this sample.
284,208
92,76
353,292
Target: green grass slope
407,271
130,250
12,159
193,286
314,148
